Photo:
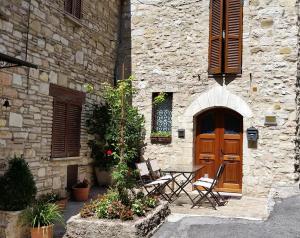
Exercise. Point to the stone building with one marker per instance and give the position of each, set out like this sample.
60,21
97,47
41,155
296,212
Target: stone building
72,43
251,50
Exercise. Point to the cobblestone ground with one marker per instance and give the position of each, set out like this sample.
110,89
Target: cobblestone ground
284,222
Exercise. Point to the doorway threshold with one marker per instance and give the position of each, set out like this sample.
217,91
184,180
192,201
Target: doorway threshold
231,195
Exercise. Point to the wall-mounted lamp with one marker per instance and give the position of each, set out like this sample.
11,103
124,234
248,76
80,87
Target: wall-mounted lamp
6,103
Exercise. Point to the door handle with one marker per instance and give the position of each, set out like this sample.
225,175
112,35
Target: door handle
222,152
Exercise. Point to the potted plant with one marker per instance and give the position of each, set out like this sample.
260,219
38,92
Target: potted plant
102,149
81,191
60,201
161,137
41,217
18,192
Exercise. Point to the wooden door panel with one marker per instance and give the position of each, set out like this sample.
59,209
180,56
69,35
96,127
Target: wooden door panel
231,177
219,140
207,146
209,168
231,147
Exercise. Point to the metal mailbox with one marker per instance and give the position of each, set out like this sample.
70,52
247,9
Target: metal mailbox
252,134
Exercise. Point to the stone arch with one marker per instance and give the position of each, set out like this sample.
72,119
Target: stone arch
218,96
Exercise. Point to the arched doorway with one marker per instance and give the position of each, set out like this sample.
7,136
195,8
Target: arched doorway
219,139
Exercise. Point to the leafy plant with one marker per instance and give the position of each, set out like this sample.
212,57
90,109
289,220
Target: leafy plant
138,207
103,145
89,209
42,214
126,214
160,98
151,202
49,197
17,186
121,131
104,203
161,134
82,184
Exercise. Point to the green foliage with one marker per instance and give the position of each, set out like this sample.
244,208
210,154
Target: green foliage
151,202
49,198
106,123
89,209
104,203
82,184
110,206
160,98
42,214
17,186
161,134
138,207
98,124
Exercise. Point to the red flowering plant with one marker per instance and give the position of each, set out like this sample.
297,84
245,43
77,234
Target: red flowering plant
102,145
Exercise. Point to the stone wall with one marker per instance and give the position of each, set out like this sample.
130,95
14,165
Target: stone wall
69,53
170,53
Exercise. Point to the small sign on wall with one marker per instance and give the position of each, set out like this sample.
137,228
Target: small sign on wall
270,120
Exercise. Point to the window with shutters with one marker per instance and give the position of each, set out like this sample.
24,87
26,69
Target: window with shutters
66,125
74,7
162,114
225,37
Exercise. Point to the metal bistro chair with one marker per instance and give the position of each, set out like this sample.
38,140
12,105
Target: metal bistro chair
152,186
209,193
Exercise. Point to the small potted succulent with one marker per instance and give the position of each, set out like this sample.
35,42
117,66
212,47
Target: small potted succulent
41,217
60,201
81,191
161,137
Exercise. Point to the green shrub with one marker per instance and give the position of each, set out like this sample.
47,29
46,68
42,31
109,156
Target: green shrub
150,202
138,207
105,202
17,186
42,214
49,197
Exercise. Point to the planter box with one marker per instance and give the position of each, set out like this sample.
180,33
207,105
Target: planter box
78,227
10,226
161,139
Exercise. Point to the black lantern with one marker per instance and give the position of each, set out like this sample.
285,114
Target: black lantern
6,103
252,134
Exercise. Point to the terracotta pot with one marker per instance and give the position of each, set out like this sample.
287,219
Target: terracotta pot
81,194
42,232
62,204
103,177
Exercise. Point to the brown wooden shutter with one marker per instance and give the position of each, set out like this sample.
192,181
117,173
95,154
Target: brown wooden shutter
68,6
215,37
67,106
77,8
59,129
233,42
73,130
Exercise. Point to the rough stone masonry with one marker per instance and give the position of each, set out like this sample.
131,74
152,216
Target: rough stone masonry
69,53
170,54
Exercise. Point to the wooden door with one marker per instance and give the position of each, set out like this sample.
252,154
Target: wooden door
219,140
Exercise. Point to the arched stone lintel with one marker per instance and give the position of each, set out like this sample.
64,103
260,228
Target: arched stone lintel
218,96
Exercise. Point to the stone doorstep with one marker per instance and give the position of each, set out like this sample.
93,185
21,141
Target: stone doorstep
142,227
237,207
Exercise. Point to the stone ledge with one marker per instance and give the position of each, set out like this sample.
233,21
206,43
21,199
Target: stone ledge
78,227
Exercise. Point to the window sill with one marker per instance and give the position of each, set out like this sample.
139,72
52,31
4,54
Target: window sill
66,158
73,19
161,139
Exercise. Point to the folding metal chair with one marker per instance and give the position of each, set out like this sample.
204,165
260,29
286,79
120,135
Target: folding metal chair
209,193
152,186
155,171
